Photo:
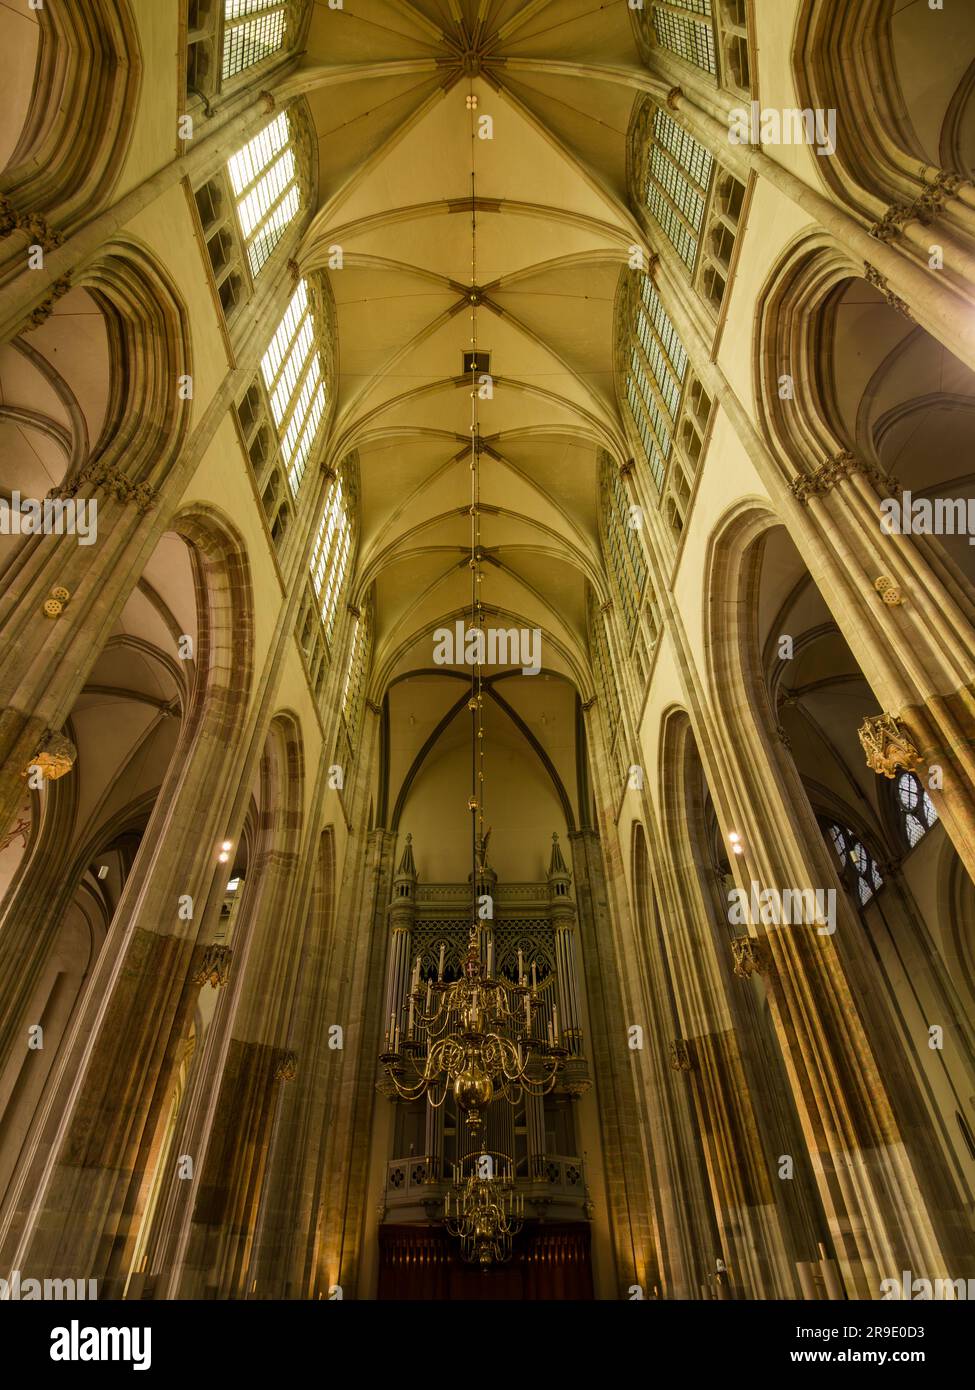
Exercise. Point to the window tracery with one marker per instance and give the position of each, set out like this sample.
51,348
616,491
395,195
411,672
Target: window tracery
858,867
669,409
917,810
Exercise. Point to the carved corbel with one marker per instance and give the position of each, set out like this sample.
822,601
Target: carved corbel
888,745
286,1065
748,954
55,757
99,474
34,224
215,967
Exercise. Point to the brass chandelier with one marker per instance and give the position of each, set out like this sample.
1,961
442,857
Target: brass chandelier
474,1038
484,1212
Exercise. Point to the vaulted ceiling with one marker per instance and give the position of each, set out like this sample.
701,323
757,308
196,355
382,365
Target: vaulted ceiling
396,151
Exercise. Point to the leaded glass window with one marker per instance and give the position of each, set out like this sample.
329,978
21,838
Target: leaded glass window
253,29
354,687
293,371
918,813
330,557
856,862
656,377
679,173
266,188
685,28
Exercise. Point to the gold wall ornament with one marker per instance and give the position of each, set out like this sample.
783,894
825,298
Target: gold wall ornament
833,470
215,967
680,1057
888,590
888,745
748,955
55,757
286,1067
56,602
873,277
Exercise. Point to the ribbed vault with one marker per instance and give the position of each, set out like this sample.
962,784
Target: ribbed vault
388,88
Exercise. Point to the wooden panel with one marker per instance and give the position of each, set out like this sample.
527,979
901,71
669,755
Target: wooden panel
423,1262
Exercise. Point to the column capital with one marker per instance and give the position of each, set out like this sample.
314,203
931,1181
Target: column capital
100,474
926,208
833,470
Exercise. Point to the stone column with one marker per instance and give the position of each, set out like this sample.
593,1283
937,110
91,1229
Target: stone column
909,617
890,1201
752,1227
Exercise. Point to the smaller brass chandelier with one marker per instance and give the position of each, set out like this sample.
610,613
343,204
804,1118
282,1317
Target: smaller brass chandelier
484,1211
474,1037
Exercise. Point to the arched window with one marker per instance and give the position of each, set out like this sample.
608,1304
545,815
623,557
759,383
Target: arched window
267,189
355,675
916,807
293,370
330,557
246,208
621,541
655,379
625,559
858,868
711,35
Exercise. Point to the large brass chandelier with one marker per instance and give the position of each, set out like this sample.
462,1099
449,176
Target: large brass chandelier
473,1037
484,1212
